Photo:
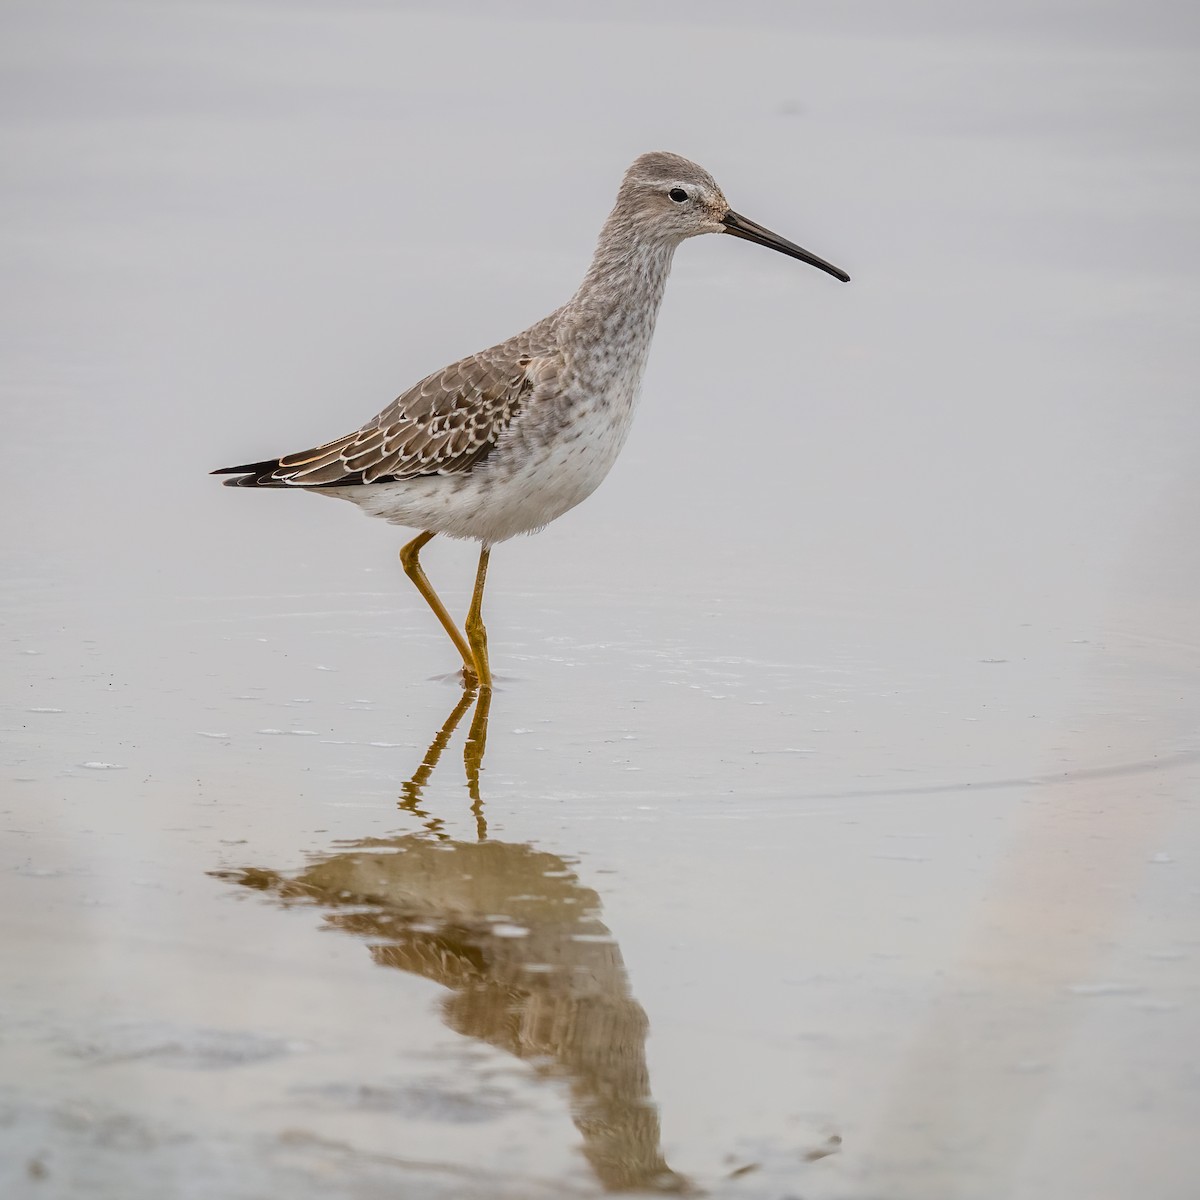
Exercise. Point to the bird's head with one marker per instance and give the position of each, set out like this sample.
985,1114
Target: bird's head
668,197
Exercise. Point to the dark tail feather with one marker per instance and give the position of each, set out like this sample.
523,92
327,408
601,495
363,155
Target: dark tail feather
259,468
260,474
265,474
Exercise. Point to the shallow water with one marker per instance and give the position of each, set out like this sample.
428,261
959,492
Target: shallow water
836,828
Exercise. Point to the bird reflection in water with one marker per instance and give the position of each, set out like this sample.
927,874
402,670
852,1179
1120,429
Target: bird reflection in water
518,941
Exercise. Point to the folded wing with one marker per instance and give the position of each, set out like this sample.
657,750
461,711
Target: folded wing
444,425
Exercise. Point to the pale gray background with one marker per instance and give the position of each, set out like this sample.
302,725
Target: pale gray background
866,691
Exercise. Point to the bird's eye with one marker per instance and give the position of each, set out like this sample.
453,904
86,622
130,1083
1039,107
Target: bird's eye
678,195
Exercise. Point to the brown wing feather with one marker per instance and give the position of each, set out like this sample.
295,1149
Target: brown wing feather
443,425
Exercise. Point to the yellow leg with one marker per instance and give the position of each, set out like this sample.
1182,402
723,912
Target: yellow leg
412,568
476,633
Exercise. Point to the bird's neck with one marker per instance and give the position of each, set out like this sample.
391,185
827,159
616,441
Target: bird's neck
620,295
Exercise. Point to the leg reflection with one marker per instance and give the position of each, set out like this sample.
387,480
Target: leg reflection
473,758
410,791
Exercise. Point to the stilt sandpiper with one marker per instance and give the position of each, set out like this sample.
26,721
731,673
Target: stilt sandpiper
506,440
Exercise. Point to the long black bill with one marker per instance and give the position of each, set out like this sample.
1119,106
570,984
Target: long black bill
742,227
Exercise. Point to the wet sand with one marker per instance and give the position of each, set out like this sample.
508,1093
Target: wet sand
835,831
